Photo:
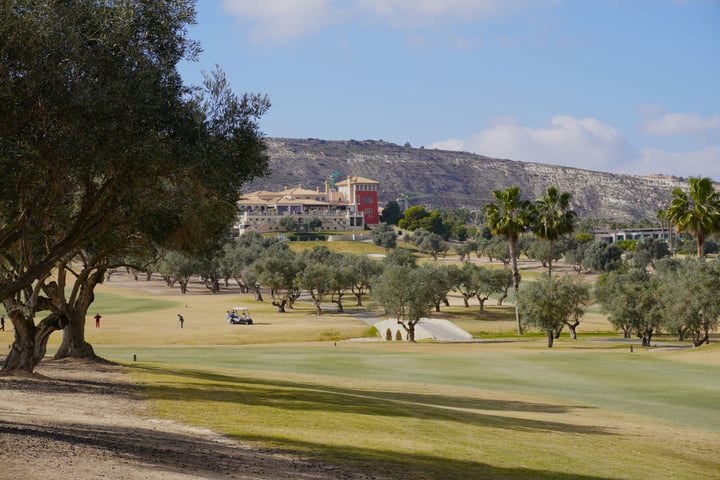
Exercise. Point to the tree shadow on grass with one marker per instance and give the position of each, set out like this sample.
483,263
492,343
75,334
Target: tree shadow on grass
151,449
203,457
405,466
290,396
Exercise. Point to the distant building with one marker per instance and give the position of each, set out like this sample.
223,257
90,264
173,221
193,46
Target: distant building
353,205
363,193
632,234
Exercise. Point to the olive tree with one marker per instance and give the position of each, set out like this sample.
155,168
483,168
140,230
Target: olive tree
601,256
363,271
105,146
429,242
278,269
551,302
384,236
407,293
632,301
689,298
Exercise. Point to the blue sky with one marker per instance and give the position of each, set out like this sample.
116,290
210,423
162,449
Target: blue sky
619,86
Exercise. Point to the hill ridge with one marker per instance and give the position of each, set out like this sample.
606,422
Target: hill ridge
451,179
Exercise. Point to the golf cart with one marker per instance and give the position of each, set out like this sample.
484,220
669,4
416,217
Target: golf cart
239,316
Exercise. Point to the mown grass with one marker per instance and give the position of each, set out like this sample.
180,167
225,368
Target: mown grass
509,408
358,248
430,411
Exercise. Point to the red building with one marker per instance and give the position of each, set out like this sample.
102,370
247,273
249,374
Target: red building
363,193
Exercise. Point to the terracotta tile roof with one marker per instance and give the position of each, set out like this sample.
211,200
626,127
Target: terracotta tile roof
357,179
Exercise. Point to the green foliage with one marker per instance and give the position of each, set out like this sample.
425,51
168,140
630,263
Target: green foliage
439,282
401,256
509,217
392,213
688,293
552,218
363,272
407,293
429,243
457,224
473,280
288,224
314,224
627,245
384,236
632,301
601,256
497,248
551,302
466,249
415,217
584,237
697,212
648,251
108,153
317,279
278,270
239,254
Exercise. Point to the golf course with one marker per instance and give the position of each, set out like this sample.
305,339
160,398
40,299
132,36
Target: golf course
325,388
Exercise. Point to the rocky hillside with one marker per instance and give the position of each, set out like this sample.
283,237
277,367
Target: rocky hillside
445,179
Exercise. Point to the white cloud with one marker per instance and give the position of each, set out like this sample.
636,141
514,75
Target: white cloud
584,143
699,163
427,12
284,20
675,124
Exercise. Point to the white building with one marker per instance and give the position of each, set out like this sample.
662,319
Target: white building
347,208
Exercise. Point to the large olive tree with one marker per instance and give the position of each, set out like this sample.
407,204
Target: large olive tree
106,148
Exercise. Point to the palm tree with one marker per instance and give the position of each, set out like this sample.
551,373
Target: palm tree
666,222
698,212
553,218
509,217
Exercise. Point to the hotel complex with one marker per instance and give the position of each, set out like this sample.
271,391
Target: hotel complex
351,204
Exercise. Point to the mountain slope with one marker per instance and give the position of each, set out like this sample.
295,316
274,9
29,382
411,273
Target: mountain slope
447,179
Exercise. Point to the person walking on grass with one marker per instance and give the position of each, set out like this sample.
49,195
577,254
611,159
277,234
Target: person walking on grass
181,320
97,320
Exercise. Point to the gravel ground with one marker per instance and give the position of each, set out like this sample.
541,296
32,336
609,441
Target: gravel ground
75,419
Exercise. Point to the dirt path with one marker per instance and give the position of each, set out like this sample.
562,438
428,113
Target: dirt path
80,420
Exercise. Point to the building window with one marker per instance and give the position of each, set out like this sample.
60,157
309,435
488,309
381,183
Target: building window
368,211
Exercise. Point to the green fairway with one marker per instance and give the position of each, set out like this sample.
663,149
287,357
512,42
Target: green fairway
111,304
504,407
462,411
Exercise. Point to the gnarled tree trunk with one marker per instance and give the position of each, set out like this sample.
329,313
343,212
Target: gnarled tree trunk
73,344
573,329
358,297
30,343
